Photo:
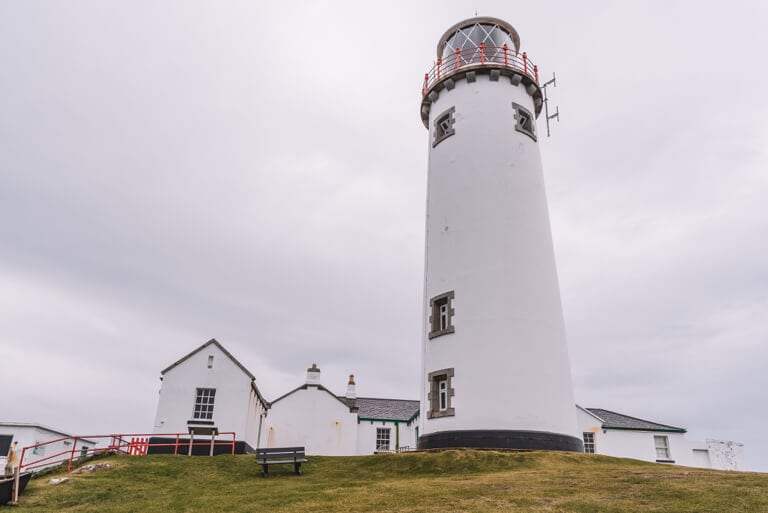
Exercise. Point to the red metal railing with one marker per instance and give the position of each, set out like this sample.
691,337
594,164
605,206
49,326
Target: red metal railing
131,444
461,60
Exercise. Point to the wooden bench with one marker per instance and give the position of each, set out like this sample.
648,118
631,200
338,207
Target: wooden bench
281,456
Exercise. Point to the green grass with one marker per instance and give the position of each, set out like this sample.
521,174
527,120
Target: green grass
449,481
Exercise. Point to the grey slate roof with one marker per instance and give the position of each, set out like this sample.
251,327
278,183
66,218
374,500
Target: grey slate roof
393,409
613,420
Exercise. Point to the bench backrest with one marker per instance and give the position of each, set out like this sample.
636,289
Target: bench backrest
275,453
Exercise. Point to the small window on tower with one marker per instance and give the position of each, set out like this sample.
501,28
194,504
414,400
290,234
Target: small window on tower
441,315
210,361
440,394
443,126
525,121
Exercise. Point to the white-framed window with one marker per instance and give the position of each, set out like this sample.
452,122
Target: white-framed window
204,403
440,394
589,442
441,315
662,447
382,439
442,391
210,361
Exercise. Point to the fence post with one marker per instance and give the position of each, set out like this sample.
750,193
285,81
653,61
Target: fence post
525,62
506,55
176,447
72,454
15,494
439,62
233,444
536,72
458,58
482,53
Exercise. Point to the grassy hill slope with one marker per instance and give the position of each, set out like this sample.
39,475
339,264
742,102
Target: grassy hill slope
466,481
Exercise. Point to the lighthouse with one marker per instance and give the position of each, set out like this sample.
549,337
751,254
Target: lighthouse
495,368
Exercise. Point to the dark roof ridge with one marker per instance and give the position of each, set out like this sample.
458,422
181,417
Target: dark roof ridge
305,386
595,411
217,344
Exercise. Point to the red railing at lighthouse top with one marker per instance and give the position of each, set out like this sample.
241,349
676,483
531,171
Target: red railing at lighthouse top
482,56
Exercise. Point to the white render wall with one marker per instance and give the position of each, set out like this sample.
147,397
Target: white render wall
314,419
489,240
32,435
234,405
640,445
366,435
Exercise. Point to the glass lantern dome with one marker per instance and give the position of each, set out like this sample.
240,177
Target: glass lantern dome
476,37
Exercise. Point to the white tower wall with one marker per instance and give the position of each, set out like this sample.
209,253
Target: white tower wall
489,244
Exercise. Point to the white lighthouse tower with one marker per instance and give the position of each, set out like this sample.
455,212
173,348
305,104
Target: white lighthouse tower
495,369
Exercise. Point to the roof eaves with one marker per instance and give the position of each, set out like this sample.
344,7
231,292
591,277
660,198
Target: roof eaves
591,414
319,387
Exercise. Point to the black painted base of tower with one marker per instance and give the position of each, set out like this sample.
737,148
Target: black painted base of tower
501,439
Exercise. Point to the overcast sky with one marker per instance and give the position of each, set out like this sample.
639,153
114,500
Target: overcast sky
256,172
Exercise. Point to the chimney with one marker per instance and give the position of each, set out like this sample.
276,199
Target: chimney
313,375
351,393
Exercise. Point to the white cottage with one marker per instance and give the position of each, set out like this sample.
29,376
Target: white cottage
615,434
27,435
209,387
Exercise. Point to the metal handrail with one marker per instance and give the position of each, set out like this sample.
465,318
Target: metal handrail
498,56
130,444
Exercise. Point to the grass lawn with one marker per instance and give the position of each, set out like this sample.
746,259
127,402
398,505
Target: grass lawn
466,481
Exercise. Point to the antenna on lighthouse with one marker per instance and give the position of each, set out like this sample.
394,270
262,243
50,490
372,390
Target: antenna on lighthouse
556,115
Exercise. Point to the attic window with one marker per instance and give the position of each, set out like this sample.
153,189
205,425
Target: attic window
443,126
441,315
525,121
210,361
440,394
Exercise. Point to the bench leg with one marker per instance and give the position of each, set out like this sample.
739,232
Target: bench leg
265,471
297,468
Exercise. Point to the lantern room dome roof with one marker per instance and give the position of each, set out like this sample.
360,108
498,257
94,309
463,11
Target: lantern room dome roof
479,30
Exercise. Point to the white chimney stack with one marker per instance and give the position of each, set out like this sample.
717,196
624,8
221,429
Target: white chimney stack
313,375
351,390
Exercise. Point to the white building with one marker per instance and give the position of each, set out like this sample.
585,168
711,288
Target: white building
614,434
495,367
210,385
57,444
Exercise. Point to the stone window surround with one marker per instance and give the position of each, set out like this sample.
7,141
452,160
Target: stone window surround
439,133
434,393
526,114
434,316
